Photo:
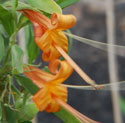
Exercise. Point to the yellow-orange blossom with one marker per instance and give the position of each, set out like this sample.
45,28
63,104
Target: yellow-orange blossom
50,37
52,95
50,84
48,32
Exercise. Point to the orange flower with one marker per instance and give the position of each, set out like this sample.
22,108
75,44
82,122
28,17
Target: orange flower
48,32
50,38
52,95
50,84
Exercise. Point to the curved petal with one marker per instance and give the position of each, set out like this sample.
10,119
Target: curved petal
44,99
48,41
62,22
37,17
62,73
39,77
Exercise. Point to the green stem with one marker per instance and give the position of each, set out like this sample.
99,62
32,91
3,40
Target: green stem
4,117
7,56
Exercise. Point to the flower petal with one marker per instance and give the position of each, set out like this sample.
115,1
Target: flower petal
62,22
62,73
39,77
37,17
42,98
47,44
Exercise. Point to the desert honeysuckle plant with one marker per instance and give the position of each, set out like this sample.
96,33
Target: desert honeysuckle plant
26,89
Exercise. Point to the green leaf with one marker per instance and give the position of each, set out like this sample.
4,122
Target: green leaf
17,59
23,21
27,84
70,42
15,3
65,3
48,6
7,20
0,111
31,47
20,6
1,48
10,115
66,116
27,112
122,104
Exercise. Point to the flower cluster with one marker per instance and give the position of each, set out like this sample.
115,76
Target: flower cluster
50,38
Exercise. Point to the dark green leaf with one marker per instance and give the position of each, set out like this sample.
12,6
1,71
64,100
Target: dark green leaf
17,59
27,84
65,3
66,116
10,115
32,49
48,6
7,20
2,51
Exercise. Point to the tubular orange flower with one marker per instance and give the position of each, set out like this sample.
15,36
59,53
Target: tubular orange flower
52,95
50,84
48,32
50,38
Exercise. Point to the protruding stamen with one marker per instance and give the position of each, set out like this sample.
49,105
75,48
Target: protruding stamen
83,75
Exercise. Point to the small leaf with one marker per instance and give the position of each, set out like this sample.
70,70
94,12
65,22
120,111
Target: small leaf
32,49
17,59
2,51
27,112
122,104
65,3
48,6
66,116
23,21
7,20
27,84
70,42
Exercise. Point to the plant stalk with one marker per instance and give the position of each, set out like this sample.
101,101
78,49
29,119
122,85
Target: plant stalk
112,61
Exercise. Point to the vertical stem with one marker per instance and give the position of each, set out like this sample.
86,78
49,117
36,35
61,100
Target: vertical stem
112,61
22,44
